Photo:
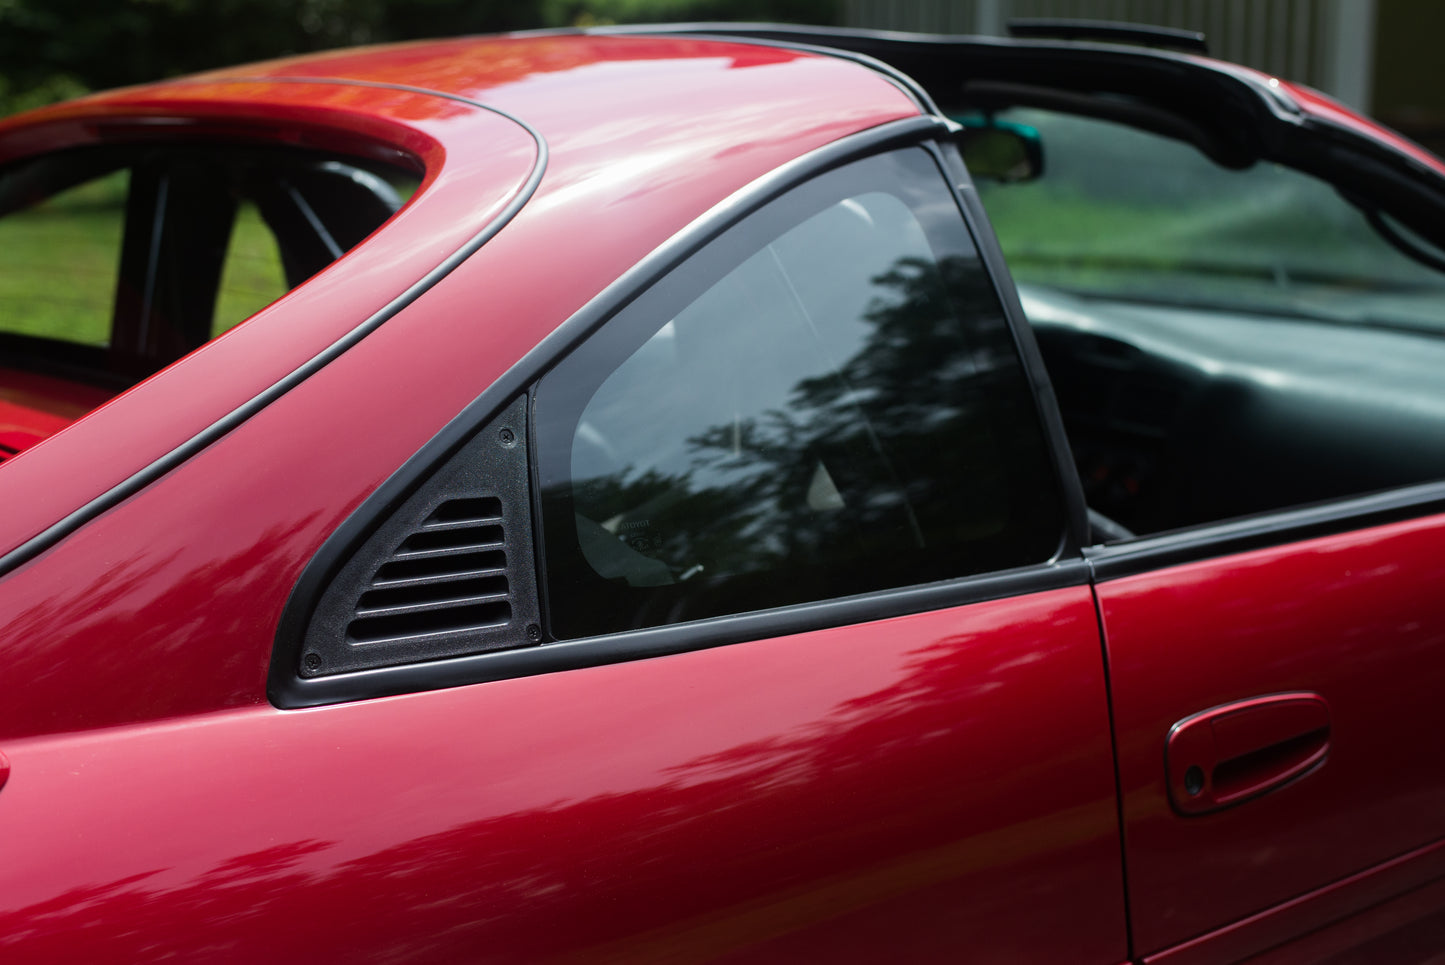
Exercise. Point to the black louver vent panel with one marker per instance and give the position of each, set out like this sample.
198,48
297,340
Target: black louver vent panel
450,576
449,573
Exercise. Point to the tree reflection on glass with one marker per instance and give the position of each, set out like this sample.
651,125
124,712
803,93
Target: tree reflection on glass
842,412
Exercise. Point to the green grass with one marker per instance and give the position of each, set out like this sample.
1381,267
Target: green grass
1273,242
61,262
252,277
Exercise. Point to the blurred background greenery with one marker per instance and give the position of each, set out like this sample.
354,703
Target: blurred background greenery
1377,55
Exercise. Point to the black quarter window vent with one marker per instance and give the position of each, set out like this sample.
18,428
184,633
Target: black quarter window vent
449,573
449,576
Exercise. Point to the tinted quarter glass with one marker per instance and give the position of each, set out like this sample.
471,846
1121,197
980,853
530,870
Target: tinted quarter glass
825,401
116,260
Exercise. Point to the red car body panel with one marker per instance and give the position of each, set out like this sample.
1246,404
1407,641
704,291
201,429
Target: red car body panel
1357,619
922,787
846,792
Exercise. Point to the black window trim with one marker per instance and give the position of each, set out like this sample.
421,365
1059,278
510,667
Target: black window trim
1274,528
1067,568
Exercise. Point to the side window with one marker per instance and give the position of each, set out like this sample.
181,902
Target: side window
252,276
825,401
116,261
63,257
1223,341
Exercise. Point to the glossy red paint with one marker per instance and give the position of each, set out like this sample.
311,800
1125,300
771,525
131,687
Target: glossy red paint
1355,618
161,413
845,793
1400,922
697,120
934,786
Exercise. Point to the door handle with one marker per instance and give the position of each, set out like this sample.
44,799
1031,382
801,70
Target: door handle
1235,752
4,770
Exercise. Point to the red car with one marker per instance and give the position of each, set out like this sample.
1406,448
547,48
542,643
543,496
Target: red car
723,493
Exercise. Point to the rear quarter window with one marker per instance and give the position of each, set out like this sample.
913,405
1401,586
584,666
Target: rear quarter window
825,402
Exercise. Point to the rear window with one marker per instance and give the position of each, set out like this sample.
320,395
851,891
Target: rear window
116,261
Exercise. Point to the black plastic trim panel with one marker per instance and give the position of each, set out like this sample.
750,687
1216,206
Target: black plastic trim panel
1259,532
59,530
288,690
450,573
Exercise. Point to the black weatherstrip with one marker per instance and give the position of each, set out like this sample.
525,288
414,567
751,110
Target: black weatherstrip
288,690
58,531
1118,560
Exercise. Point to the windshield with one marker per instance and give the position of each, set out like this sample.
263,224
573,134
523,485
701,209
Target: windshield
1128,215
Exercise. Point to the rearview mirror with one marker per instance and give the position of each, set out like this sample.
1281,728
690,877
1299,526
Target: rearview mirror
1001,151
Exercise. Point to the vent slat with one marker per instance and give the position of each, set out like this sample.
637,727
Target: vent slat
441,552
438,579
448,576
469,523
452,539
433,593
454,510
478,616
432,565
447,551
364,612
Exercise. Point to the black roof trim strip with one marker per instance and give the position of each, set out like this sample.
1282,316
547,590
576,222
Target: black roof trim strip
287,690
875,45
122,491
1148,553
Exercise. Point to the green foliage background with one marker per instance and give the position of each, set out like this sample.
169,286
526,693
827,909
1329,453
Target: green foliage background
54,49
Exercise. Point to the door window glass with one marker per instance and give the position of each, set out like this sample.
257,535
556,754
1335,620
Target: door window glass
1223,341
826,401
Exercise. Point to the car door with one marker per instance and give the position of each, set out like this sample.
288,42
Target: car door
1274,630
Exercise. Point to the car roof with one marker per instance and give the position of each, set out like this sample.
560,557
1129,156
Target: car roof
592,151
671,95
